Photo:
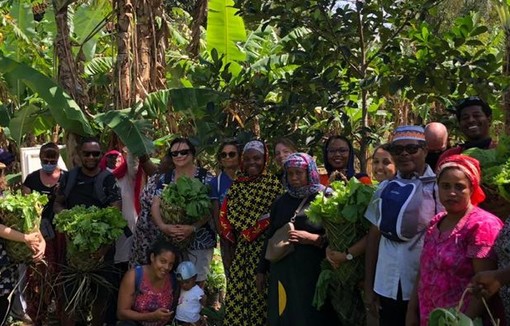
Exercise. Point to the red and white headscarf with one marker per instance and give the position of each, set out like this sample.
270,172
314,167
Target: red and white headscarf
471,168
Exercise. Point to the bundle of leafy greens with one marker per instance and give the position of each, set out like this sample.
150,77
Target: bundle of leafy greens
346,201
188,195
495,165
88,229
341,212
451,317
22,213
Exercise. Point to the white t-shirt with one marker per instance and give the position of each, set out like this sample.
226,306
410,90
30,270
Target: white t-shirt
189,306
400,261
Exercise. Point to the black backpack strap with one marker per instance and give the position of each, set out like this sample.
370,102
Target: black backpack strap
99,185
71,181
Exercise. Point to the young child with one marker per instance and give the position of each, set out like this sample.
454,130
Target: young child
191,298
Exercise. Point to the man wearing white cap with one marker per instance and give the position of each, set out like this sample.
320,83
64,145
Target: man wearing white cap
400,211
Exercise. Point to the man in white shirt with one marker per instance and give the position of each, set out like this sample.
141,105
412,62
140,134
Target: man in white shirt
392,261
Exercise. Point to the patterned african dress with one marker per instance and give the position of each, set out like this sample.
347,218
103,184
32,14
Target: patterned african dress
502,248
146,231
244,218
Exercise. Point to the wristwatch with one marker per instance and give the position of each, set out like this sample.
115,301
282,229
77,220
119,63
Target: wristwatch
348,255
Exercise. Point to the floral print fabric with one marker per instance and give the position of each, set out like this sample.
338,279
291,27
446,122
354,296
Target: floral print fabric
446,264
502,248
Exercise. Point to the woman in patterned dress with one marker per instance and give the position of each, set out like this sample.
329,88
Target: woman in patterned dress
146,231
490,282
243,219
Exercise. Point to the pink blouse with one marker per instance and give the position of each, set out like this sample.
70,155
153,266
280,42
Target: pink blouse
151,299
446,263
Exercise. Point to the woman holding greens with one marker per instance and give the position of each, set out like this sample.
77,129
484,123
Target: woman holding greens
8,270
296,274
201,249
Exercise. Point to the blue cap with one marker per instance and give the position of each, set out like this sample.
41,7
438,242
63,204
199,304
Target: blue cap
185,271
408,132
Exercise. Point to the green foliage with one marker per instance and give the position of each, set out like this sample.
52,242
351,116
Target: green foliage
88,229
451,317
189,194
25,210
63,108
348,201
131,131
225,30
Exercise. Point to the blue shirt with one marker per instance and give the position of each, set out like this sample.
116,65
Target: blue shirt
218,192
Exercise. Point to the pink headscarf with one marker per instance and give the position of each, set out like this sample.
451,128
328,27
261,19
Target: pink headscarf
471,168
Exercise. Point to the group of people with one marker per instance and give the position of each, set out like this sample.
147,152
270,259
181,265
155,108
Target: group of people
423,240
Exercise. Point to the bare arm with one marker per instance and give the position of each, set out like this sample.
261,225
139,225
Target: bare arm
147,165
25,190
476,307
126,300
371,253
488,283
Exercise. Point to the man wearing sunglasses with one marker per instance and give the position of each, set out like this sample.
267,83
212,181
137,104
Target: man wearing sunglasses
89,186
392,262
474,117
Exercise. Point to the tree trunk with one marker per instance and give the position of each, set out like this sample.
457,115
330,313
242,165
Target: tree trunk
141,50
199,17
68,74
124,65
152,43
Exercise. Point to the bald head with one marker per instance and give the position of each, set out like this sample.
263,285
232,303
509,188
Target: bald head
436,136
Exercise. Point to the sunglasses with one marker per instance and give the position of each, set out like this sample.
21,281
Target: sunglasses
182,152
91,153
49,161
229,154
409,149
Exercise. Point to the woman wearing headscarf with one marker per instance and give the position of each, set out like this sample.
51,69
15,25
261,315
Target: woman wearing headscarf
296,274
244,218
338,155
458,243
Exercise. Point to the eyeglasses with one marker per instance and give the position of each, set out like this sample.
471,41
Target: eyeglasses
229,154
91,153
182,152
49,161
409,149
338,150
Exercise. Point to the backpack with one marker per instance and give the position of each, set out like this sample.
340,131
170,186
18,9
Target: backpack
400,208
98,184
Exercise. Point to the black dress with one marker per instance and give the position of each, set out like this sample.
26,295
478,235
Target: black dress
292,280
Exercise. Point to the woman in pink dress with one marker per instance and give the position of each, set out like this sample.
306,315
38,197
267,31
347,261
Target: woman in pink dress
458,243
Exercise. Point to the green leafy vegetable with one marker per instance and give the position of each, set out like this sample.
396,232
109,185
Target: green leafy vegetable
190,195
347,201
22,212
88,229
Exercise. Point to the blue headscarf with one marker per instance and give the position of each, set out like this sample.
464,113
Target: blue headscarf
305,162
